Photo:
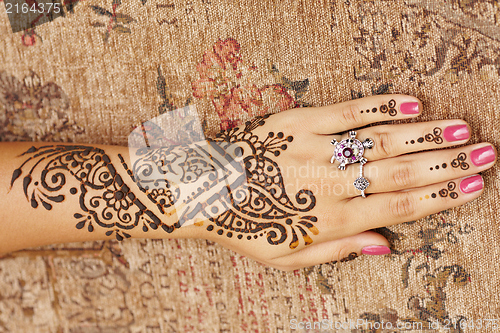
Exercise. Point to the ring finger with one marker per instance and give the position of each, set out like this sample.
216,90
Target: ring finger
422,169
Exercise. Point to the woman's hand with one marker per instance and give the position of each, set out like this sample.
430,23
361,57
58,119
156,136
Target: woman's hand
267,189
300,210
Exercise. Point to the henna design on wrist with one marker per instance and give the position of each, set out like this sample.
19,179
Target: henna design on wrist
386,108
435,137
87,172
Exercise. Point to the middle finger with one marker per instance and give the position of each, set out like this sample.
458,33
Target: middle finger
394,140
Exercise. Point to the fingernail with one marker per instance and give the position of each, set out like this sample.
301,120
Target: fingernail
471,184
482,156
409,108
376,250
456,133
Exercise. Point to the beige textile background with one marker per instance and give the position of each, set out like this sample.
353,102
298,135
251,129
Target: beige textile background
97,72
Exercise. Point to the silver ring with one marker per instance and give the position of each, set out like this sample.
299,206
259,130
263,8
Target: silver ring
349,151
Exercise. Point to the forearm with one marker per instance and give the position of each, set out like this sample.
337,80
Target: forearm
58,193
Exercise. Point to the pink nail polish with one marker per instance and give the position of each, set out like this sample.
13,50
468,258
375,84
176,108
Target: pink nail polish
456,133
471,184
409,108
376,250
482,156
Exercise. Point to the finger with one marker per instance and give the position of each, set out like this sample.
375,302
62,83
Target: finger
417,170
395,140
342,117
384,209
368,242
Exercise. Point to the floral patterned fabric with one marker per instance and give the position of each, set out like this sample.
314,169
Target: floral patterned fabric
95,73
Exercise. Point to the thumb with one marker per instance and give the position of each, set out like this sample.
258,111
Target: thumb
368,242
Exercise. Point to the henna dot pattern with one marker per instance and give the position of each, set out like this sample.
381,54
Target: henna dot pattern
434,136
437,167
426,197
386,108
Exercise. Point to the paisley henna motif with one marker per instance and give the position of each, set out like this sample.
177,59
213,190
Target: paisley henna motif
267,209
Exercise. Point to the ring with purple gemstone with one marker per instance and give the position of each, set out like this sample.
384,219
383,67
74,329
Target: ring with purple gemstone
349,151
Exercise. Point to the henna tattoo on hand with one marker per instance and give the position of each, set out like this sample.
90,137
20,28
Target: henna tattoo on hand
256,208
449,191
266,209
389,108
195,182
260,207
386,108
435,137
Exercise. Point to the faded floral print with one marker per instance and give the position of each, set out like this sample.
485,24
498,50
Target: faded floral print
426,39
32,111
233,86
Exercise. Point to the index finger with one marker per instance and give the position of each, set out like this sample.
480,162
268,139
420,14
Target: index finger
344,116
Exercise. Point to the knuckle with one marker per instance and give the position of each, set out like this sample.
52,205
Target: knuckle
290,124
336,254
402,206
343,253
350,115
334,219
305,153
385,144
404,174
